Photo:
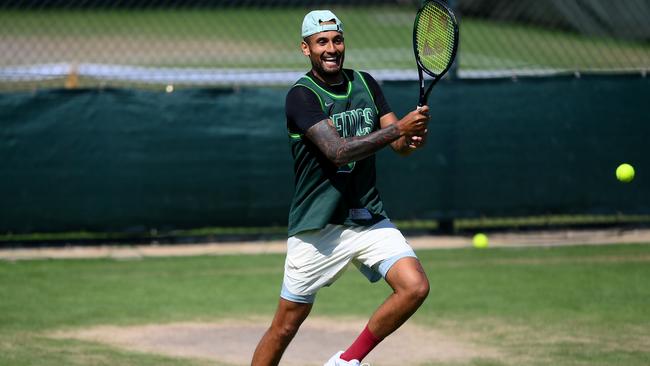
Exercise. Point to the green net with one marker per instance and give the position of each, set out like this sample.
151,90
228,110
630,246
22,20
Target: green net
435,37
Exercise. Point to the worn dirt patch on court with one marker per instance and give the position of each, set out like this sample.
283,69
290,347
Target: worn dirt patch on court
233,342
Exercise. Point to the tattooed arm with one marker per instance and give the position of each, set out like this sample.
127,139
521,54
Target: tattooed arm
342,151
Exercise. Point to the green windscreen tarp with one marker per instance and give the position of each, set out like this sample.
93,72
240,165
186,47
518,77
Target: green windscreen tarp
126,160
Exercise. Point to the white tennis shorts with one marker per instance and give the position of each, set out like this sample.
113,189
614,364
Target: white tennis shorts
317,258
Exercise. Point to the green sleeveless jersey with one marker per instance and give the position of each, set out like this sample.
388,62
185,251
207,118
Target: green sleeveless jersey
324,193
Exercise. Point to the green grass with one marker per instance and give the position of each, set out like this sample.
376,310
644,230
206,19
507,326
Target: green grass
582,305
377,38
488,45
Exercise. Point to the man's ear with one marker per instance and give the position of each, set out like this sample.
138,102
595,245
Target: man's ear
305,48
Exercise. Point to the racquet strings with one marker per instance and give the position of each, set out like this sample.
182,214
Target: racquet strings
435,32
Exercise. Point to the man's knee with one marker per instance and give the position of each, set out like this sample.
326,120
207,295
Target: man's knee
421,289
408,279
285,330
288,319
416,290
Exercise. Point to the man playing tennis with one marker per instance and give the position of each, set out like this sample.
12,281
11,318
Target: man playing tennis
337,120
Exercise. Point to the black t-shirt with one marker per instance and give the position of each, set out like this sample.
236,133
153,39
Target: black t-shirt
303,109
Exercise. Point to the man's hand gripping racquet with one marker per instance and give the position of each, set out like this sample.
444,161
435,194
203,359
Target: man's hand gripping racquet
435,41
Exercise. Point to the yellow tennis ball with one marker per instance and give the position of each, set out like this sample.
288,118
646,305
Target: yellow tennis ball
625,173
480,240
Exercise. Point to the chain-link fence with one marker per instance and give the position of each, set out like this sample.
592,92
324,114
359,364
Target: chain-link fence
206,43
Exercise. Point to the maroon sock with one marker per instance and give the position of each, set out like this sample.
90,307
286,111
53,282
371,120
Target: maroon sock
361,346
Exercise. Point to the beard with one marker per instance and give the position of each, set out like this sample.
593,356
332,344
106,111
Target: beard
320,66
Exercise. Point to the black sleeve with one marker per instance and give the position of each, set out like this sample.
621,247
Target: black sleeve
303,109
377,94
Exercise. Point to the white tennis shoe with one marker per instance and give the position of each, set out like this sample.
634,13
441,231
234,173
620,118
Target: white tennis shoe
337,361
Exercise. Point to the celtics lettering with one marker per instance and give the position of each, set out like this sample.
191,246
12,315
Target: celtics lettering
357,122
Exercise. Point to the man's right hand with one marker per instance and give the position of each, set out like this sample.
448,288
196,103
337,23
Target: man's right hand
414,123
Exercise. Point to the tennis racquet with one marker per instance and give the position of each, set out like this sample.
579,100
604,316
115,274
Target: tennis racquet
435,41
